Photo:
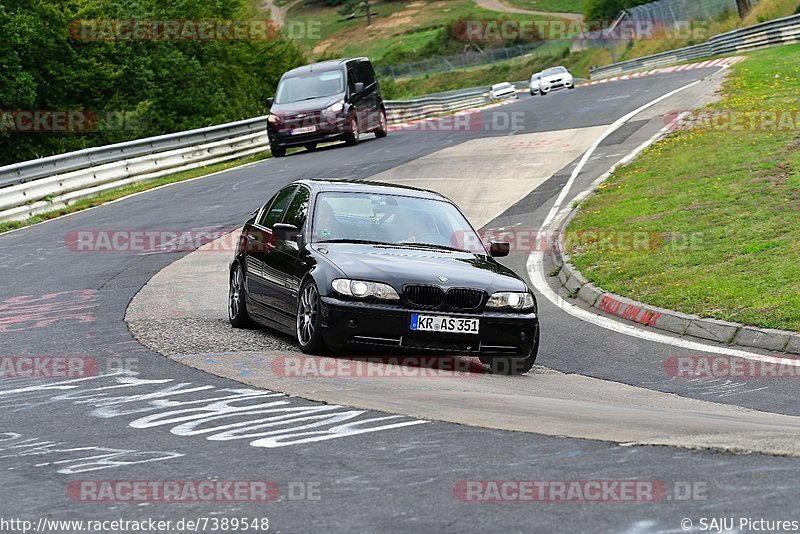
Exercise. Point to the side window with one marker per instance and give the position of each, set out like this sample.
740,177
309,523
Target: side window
276,208
298,209
366,74
352,78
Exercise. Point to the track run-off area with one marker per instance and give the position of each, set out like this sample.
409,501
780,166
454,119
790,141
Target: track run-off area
179,395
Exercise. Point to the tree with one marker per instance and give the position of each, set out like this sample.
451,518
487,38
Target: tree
350,8
744,7
132,88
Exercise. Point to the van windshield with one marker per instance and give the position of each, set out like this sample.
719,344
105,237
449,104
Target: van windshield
308,86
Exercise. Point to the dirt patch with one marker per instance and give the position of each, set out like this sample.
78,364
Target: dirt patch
379,26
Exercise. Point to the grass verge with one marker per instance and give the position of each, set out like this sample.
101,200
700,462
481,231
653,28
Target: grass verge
137,187
563,6
720,204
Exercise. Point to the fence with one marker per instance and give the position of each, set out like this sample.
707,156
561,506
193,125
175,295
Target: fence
767,34
675,12
666,14
38,186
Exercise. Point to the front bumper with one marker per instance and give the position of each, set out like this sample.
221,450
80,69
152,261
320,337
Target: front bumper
325,132
353,325
561,84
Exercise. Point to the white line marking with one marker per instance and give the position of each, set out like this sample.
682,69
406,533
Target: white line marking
535,265
611,129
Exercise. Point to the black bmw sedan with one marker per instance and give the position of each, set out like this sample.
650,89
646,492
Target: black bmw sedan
354,266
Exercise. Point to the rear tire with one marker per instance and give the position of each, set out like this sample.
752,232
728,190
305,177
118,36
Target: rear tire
513,366
382,130
237,300
277,151
309,319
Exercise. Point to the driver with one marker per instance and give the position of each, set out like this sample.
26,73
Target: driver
327,226
421,229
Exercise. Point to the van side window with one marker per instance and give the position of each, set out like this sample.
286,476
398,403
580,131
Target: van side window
365,73
352,78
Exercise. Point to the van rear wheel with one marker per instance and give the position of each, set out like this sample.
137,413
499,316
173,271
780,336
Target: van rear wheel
382,130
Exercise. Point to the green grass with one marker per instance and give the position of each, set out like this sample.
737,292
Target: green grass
563,6
723,206
401,28
137,187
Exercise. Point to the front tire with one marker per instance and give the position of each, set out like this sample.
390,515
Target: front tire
351,139
309,319
237,301
311,147
277,151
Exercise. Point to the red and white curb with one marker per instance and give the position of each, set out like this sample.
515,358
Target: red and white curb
722,62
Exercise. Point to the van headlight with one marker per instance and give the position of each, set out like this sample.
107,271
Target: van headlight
361,289
273,119
333,110
512,300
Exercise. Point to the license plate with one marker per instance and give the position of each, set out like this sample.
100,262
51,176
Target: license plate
304,129
438,323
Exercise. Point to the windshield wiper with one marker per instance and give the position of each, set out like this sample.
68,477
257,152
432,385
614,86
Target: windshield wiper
430,245
311,98
354,241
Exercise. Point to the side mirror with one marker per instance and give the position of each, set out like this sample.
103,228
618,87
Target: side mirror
270,102
499,249
286,232
359,87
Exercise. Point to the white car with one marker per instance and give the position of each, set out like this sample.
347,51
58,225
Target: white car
503,90
552,79
536,83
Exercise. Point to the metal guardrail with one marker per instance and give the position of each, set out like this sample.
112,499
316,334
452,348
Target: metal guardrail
38,186
31,170
764,35
409,110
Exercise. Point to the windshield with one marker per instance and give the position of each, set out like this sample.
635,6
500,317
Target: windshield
392,220
554,70
308,86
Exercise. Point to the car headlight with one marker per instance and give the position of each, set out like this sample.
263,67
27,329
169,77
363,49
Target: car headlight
513,300
361,289
273,119
333,109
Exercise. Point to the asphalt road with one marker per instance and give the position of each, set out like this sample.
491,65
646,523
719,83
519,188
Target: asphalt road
400,475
